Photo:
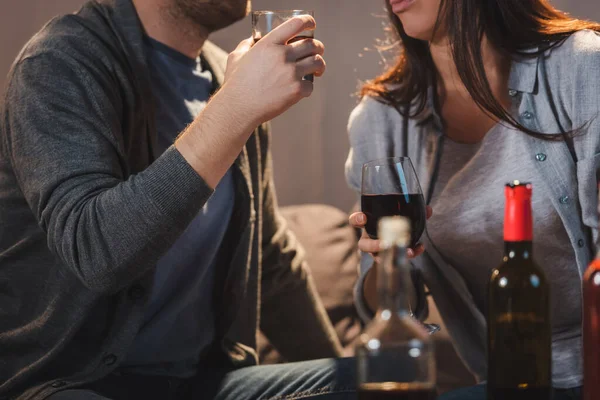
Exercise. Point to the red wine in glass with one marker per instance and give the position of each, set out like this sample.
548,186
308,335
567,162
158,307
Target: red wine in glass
411,206
390,187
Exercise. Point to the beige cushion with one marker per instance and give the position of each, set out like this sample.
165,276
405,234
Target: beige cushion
331,253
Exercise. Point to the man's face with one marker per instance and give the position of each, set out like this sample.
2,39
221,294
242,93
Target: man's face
212,14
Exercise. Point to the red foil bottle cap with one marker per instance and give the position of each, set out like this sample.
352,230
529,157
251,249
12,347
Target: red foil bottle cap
518,220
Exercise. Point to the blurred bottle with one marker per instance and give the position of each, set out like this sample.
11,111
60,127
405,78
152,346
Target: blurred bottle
591,331
395,357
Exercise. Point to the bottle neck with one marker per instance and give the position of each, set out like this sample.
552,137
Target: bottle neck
394,281
518,219
522,250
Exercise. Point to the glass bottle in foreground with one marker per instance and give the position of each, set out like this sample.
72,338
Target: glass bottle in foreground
519,330
591,331
395,357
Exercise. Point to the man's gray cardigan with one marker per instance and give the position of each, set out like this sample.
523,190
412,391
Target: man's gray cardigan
86,210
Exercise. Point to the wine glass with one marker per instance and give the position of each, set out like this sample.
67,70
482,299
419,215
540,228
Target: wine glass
390,187
265,21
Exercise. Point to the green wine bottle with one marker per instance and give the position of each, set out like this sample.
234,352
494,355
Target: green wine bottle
519,330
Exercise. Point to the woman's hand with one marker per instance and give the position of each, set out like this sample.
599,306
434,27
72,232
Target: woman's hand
368,245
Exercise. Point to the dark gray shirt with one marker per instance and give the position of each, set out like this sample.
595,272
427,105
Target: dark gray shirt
179,319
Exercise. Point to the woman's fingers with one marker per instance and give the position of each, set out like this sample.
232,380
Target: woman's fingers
367,245
358,220
416,252
373,246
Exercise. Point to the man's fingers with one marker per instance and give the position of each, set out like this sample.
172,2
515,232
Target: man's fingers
311,65
244,45
306,87
236,55
304,48
429,211
358,220
290,29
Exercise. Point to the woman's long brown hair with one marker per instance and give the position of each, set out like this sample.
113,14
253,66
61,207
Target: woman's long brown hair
514,27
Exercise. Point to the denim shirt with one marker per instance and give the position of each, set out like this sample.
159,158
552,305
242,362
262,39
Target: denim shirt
566,79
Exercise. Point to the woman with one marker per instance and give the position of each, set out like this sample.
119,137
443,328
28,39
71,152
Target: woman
490,91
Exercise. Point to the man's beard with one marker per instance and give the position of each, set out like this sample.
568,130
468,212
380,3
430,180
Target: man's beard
210,15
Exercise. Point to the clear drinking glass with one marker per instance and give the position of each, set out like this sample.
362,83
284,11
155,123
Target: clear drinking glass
395,356
390,187
264,22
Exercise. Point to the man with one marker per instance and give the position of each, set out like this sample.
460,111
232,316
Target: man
140,244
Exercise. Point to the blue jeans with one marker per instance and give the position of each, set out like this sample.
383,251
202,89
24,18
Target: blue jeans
326,379
479,393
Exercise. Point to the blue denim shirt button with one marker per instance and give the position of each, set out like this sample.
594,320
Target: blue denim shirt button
581,243
527,115
512,92
564,199
540,157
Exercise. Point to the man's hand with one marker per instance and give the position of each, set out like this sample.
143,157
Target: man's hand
368,245
265,79
262,81
236,56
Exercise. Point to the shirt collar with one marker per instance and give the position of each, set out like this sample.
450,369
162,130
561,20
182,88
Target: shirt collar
523,73
522,78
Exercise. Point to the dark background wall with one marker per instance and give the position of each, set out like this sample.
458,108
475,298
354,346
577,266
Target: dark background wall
309,144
